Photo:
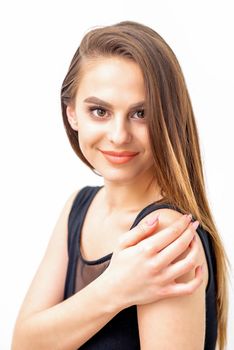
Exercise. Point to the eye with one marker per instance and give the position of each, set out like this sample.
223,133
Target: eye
97,112
100,112
140,114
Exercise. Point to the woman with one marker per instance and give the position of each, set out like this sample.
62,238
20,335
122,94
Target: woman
128,116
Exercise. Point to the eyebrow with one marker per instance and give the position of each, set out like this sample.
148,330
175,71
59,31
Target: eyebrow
98,101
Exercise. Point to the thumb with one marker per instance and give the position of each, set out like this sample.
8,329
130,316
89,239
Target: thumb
143,230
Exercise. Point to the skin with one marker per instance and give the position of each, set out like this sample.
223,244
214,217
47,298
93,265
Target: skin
117,131
158,260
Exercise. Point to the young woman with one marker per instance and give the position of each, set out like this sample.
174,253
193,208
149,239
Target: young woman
126,268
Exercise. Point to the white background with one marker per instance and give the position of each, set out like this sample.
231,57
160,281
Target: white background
39,170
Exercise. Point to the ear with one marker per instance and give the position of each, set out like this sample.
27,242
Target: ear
71,117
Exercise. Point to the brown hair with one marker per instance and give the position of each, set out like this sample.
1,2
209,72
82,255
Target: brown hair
176,152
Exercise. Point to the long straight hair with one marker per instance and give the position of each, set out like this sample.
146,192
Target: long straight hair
171,127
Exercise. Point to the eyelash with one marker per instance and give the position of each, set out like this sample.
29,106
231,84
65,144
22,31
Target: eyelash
92,109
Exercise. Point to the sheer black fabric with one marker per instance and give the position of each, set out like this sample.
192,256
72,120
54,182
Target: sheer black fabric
121,333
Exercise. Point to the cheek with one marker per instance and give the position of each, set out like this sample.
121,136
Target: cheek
88,137
143,136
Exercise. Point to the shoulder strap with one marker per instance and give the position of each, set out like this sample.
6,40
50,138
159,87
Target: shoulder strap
75,221
78,210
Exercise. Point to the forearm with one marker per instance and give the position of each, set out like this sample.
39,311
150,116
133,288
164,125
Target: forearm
69,324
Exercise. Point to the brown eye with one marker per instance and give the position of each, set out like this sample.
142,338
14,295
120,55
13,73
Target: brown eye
100,112
139,114
97,112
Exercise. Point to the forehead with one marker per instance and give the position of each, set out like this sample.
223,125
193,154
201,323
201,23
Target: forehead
111,75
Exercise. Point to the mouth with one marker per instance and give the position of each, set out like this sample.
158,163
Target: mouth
120,154
119,157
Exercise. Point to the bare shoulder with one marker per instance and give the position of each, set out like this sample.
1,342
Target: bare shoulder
47,286
60,230
179,320
166,218
70,200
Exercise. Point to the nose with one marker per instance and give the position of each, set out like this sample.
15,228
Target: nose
119,131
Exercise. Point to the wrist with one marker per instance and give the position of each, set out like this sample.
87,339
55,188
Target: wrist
107,289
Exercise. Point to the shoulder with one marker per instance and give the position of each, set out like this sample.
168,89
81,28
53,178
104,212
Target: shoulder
166,218
58,239
64,213
80,197
166,215
172,317
70,201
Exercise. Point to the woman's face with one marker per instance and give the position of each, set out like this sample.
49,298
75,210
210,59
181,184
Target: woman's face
108,114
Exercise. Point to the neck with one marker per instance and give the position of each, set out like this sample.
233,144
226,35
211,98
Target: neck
130,197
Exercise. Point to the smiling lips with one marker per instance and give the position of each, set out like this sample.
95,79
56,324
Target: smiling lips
119,157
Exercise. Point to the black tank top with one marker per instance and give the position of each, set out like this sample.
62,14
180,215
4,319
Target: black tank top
121,332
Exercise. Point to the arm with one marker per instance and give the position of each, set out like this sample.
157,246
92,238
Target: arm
47,322
179,322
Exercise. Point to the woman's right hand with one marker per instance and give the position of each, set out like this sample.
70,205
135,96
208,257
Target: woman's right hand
143,268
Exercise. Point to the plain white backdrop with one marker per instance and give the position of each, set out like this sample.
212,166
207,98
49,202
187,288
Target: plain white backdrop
39,170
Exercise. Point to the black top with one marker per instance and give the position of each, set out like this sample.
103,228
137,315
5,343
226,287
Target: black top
121,332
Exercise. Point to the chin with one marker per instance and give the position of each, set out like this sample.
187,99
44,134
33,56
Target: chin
120,176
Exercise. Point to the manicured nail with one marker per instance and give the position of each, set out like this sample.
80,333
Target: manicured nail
189,216
195,224
151,221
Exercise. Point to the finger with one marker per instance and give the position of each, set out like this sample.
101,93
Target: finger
184,265
175,249
188,288
166,236
141,231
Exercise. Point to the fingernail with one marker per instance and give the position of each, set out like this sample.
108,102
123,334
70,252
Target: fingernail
195,224
151,221
189,216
